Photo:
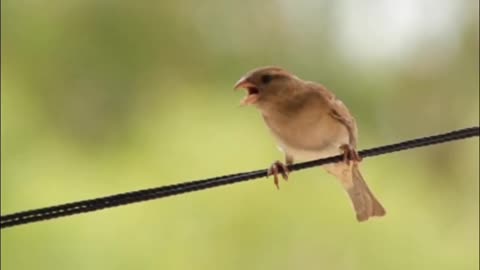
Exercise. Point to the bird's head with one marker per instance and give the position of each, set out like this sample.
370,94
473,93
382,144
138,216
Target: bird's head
266,85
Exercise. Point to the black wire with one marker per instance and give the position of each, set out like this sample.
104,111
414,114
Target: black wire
85,206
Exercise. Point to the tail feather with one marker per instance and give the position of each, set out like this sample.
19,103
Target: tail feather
363,200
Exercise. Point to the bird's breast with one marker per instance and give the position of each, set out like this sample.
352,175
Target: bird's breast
308,135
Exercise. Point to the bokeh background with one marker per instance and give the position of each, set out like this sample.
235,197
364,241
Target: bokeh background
103,97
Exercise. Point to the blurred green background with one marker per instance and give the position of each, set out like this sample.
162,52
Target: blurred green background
103,97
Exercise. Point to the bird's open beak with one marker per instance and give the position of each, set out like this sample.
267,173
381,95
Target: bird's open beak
252,90
243,83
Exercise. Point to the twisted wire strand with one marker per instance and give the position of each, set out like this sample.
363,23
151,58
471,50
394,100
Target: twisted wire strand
85,206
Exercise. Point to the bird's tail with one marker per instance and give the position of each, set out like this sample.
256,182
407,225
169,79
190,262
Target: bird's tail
364,202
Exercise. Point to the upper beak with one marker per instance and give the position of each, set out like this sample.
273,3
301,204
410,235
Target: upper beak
243,83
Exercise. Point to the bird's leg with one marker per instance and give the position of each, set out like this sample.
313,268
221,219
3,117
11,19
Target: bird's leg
288,159
350,154
279,167
276,168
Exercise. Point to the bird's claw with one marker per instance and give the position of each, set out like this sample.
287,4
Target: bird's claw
350,154
276,168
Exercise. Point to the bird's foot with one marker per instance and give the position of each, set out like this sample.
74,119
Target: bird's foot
350,154
276,168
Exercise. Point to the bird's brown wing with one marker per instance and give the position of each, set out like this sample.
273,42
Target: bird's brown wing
338,111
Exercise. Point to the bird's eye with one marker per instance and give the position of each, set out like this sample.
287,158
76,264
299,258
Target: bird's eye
266,79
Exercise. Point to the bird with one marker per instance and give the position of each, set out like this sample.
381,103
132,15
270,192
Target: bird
309,122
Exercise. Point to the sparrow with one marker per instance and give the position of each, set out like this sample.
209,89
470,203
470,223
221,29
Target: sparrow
308,122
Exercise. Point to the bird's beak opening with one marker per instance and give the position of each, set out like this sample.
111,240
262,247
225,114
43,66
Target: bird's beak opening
251,89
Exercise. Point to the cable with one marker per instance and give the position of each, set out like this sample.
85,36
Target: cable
85,206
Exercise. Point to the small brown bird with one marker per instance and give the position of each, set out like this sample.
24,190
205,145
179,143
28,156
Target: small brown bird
309,122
